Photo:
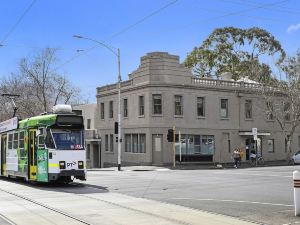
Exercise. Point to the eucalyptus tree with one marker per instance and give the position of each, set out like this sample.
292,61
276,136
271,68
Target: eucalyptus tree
238,51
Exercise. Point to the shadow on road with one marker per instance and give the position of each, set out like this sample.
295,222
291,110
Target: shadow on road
75,188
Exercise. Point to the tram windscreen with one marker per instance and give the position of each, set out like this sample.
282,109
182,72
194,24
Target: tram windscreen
65,139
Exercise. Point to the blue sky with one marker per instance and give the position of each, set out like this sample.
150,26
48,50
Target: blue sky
175,29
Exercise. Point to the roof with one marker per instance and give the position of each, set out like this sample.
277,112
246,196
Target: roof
43,120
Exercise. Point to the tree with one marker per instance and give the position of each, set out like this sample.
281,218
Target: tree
235,50
39,85
282,102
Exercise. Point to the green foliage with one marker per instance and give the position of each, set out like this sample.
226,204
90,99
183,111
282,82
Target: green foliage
237,51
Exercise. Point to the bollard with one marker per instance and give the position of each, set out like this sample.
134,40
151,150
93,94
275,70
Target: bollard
296,178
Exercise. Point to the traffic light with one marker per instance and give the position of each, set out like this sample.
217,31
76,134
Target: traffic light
116,127
170,135
176,137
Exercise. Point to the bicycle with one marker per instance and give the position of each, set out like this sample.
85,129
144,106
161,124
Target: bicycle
259,161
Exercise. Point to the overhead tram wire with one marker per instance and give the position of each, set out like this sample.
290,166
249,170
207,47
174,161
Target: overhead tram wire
119,32
223,16
251,3
191,24
142,20
17,23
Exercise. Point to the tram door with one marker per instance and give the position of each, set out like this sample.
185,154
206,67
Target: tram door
3,154
32,154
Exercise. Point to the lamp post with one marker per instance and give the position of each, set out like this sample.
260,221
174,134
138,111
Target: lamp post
116,53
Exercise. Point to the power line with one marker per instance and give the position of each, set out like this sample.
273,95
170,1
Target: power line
252,3
240,12
141,20
249,16
119,32
17,23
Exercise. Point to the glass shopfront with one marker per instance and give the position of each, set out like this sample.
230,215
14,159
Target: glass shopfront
195,148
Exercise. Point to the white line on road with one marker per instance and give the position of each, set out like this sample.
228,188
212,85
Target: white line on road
253,174
237,201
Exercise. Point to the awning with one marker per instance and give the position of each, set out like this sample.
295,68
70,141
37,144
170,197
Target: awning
249,133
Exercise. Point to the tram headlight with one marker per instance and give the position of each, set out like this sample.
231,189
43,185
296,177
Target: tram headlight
62,164
80,165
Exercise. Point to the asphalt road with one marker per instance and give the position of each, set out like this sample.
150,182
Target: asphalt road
263,194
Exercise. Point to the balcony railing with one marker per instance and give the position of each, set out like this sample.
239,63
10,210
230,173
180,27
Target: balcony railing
223,83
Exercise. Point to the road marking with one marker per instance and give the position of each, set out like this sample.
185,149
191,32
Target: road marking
254,174
236,201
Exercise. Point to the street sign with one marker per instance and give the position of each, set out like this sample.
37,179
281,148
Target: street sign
254,133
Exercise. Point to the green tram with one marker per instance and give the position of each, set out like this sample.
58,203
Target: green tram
45,148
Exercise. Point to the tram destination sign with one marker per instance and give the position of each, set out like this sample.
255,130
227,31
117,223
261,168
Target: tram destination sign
8,125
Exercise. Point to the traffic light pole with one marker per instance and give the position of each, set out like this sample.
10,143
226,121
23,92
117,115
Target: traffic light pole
174,141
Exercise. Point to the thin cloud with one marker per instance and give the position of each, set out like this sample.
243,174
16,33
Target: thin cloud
293,27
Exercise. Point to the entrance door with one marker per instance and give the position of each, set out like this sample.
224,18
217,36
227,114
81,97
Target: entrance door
96,155
157,149
3,154
32,154
252,148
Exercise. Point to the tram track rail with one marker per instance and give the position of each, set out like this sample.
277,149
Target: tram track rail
126,207
41,205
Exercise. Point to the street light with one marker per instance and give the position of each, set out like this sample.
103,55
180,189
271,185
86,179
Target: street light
119,92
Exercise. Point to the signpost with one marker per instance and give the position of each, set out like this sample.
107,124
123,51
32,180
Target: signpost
254,133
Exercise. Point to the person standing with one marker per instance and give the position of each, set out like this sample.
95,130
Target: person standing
236,157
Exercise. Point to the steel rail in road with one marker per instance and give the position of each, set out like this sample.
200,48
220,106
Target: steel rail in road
126,207
45,206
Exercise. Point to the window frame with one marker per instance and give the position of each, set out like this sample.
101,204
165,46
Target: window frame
248,109
159,105
111,109
102,111
125,108
203,106
227,106
141,105
178,106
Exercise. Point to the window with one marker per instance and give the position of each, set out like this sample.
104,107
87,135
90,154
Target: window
157,104
111,149
141,105
178,105
270,109
200,106
248,109
135,143
125,107
102,111
142,143
21,140
10,141
127,142
106,143
111,109
224,108
271,145
286,109
16,141
88,126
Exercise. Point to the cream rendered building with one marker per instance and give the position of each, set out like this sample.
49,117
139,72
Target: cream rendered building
213,117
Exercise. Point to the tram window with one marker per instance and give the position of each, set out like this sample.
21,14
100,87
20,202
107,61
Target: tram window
41,141
10,141
16,140
21,139
49,141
